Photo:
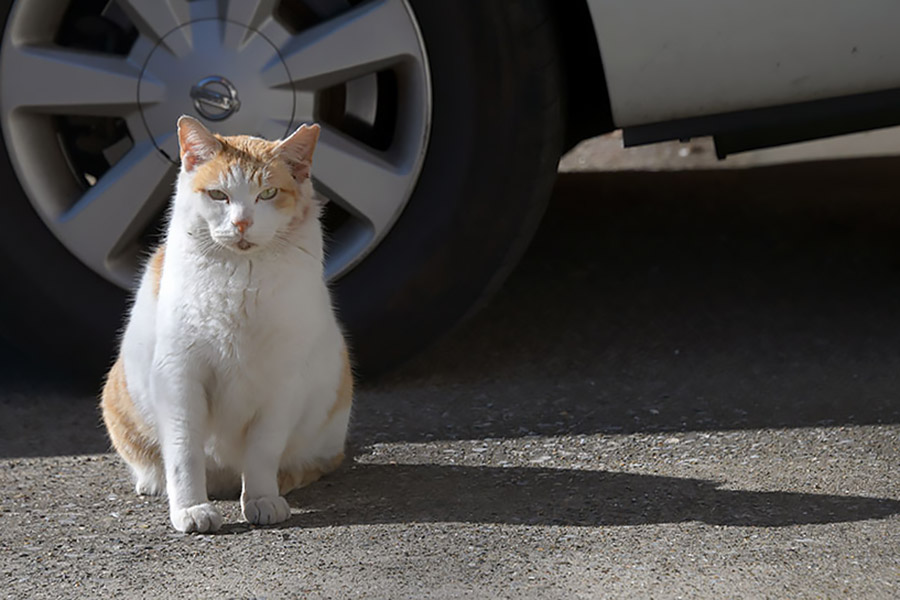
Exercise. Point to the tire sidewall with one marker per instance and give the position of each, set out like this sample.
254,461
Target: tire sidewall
50,299
479,197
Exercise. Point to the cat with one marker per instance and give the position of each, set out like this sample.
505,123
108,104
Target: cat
233,373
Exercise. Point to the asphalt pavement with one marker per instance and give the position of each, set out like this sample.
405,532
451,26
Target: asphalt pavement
689,388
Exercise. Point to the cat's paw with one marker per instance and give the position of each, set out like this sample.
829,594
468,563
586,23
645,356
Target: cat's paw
201,518
148,479
266,510
149,485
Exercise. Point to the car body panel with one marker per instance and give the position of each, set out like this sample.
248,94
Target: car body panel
667,60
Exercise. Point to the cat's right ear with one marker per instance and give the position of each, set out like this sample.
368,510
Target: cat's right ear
196,142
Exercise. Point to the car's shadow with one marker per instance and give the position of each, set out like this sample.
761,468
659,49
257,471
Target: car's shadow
370,493
678,301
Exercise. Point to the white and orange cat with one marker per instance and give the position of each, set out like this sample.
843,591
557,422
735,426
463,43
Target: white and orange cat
233,373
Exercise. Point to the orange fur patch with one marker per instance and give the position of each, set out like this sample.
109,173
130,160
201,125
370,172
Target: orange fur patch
292,479
258,159
286,201
345,388
130,435
156,267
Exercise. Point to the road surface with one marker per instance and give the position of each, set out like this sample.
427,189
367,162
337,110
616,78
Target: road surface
689,388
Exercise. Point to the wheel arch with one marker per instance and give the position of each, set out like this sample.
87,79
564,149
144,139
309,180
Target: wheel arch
588,110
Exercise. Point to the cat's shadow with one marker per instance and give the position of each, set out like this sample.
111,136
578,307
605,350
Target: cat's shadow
423,493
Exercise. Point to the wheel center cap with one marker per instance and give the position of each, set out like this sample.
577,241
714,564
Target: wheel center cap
199,68
215,98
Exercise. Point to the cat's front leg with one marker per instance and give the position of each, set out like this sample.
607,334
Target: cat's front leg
182,418
261,502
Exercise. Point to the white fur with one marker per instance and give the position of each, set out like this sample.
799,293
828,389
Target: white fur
237,343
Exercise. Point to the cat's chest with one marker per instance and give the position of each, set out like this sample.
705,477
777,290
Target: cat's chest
248,309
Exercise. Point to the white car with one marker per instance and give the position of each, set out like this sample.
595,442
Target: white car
443,122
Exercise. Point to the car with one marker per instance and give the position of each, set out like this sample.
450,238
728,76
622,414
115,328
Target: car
442,125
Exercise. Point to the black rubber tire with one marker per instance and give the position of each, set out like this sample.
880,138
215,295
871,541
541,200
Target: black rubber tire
51,305
496,138
495,144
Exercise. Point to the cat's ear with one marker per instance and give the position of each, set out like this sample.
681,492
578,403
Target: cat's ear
197,144
297,150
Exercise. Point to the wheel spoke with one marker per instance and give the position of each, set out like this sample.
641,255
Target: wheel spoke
71,82
117,207
252,13
158,18
359,180
363,40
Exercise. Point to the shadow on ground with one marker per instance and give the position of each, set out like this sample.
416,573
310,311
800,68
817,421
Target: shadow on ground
679,301
538,496
648,302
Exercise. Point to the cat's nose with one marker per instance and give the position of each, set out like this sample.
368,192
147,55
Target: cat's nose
242,225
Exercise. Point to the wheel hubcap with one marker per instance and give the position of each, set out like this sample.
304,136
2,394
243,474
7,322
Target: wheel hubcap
90,125
196,83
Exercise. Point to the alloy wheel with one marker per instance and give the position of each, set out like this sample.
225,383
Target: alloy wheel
90,92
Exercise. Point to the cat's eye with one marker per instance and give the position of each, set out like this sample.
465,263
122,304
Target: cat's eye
217,195
268,194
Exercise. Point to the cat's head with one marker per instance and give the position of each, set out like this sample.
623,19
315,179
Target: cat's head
250,192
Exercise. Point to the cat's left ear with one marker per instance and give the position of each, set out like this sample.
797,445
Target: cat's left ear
297,150
197,143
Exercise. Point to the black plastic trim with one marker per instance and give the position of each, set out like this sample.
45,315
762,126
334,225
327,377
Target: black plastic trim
765,127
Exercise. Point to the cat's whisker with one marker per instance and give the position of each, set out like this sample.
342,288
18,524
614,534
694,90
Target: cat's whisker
284,240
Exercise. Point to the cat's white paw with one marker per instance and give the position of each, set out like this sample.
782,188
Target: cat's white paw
266,510
148,479
149,484
201,518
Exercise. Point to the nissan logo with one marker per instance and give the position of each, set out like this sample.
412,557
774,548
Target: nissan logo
215,98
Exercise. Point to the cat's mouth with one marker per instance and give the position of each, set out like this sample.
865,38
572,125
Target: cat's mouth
234,243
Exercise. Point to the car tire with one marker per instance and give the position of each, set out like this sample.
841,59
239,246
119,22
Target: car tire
495,140
495,143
